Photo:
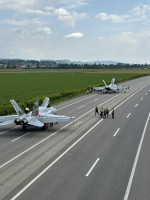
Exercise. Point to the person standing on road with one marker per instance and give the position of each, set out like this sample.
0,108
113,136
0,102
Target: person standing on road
96,110
113,114
104,113
101,112
107,112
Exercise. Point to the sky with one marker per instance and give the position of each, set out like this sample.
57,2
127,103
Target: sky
76,30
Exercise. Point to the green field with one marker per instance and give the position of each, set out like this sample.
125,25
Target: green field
25,88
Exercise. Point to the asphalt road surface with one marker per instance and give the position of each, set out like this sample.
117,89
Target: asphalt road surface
88,158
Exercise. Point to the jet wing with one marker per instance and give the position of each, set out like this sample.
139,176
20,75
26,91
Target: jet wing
36,123
8,118
54,118
99,88
7,122
119,88
122,87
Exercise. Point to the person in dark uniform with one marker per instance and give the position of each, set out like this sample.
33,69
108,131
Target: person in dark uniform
96,110
104,113
113,114
107,112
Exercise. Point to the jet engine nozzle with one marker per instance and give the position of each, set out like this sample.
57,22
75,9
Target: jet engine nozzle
24,121
17,121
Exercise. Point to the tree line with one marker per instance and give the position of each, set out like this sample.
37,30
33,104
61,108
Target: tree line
15,64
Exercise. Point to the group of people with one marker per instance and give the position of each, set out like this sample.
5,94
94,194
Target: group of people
104,113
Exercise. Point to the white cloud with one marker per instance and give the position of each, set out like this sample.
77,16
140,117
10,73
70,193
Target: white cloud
27,17
141,10
61,12
101,38
30,15
49,8
44,30
115,18
125,37
141,13
24,22
129,40
74,35
36,12
16,22
49,4
138,13
69,19
71,4
15,4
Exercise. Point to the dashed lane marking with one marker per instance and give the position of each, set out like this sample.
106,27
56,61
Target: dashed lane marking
81,106
116,132
128,115
92,167
20,137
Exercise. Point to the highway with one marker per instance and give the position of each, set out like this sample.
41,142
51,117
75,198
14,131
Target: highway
88,158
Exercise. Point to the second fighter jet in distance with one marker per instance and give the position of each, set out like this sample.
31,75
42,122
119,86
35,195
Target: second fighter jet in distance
110,88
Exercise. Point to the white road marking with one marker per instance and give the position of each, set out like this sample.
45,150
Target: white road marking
141,98
136,105
116,132
8,130
76,102
92,167
96,99
81,106
128,115
20,137
59,157
135,161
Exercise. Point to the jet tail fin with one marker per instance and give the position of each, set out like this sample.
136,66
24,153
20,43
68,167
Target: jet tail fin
16,107
45,102
105,83
112,81
35,111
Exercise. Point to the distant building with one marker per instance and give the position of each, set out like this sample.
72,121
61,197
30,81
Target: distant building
18,66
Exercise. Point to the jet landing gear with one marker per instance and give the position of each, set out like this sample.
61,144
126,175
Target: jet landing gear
24,127
46,125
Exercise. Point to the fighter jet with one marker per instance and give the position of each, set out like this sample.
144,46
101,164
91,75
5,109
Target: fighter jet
38,118
112,87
